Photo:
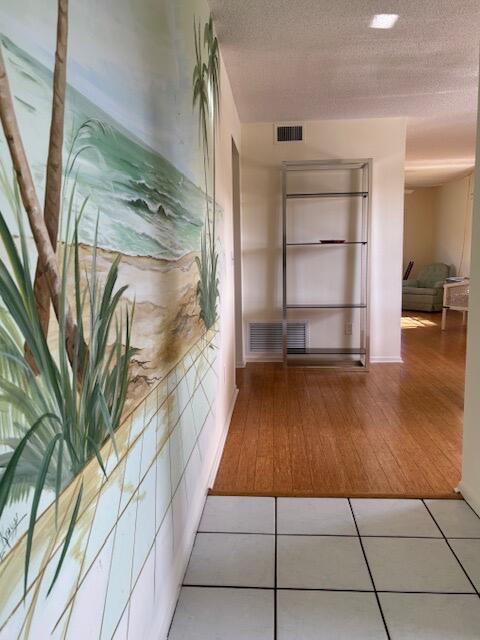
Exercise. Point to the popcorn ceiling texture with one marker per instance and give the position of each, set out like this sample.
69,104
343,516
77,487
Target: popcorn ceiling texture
318,59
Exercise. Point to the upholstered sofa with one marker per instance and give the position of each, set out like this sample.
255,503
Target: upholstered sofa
425,293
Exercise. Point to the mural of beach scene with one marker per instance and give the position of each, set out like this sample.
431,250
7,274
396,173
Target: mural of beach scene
139,205
147,210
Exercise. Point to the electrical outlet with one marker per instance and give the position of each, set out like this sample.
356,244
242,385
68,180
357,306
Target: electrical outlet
348,328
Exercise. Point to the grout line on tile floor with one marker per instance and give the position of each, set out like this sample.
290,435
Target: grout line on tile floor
225,586
240,533
355,535
433,593
237,533
430,593
371,591
451,549
471,508
338,535
369,571
275,578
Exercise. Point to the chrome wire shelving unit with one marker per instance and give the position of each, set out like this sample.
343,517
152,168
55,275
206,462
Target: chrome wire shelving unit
339,327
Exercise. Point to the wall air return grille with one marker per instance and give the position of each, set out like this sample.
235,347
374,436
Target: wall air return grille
266,337
289,133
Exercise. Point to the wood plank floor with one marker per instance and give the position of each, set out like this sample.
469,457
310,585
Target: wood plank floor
394,431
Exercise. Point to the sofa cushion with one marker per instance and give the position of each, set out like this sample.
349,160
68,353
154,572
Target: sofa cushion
421,291
432,274
418,304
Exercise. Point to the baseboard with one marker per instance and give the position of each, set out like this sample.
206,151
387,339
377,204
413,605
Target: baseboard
386,360
263,357
221,444
470,497
373,359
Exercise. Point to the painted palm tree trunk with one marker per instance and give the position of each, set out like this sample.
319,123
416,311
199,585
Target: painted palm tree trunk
53,185
46,253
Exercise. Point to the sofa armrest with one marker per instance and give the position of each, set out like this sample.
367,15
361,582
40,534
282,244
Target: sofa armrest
409,283
439,284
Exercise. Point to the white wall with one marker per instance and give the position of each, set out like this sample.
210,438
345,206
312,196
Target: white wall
383,140
470,484
453,205
229,127
418,238
438,225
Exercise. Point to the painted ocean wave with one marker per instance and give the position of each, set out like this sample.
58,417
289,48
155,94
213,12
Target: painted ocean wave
144,205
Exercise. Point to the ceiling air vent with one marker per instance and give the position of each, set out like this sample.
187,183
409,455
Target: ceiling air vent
266,337
289,133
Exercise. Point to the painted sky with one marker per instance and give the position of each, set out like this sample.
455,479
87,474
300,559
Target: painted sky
133,58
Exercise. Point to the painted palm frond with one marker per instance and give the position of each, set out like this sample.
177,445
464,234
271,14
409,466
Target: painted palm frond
55,415
201,88
213,64
25,397
206,98
207,287
38,401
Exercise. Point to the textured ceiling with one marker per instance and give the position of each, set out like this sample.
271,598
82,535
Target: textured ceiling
315,59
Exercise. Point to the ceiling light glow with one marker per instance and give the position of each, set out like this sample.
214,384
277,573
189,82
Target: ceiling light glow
383,20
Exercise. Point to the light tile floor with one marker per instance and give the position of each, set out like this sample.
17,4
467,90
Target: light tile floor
324,569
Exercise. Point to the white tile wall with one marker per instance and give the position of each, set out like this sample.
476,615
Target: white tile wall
123,570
